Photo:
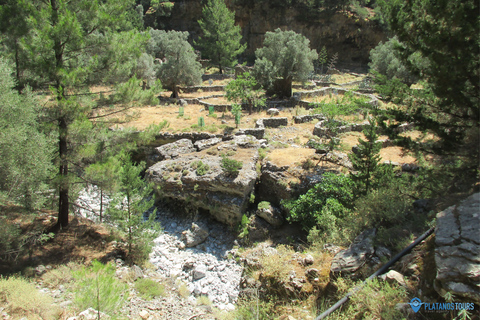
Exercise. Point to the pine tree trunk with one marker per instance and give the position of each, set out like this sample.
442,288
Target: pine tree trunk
63,172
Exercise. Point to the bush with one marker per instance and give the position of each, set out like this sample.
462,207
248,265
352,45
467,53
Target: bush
385,60
98,288
325,205
149,289
231,167
201,168
21,299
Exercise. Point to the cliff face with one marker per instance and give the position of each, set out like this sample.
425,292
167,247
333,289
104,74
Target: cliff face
341,32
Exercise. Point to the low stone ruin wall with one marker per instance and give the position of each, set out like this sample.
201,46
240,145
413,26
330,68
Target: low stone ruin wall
271,122
206,77
308,118
300,96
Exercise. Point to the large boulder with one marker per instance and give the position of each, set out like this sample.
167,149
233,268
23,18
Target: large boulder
174,149
199,180
350,260
457,252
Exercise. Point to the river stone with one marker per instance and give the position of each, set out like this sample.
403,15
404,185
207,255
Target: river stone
350,260
194,236
393,276
457,252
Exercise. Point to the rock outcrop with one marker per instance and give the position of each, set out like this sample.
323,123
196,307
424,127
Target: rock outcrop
350,260
198,179
457,252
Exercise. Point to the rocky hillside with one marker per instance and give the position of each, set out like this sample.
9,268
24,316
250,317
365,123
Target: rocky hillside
342,32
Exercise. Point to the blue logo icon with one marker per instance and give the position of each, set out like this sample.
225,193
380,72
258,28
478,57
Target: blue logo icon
415,303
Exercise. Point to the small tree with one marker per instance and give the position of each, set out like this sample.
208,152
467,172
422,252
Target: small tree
365,160
285,56
221,38
237,113
178,64
25,151
128,208
242,90
385,60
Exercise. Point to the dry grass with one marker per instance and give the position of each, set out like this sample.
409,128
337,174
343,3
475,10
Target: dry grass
276,270
21,299
290,156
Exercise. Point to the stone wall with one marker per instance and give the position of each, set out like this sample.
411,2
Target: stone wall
271,123
191,89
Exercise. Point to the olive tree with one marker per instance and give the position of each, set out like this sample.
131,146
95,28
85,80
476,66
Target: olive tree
177,61
285,56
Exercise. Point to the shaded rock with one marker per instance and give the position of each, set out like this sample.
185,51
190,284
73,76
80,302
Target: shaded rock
199,272
271,215
457,252
312,274
246,141
256,132
273,112
40,270
205,144
182,102
258,230
174,149
383,253
194,236
350,260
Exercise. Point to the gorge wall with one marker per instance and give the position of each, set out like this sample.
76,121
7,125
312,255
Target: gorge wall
341,32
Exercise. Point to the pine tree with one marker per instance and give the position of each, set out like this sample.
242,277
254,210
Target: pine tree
221,38
445,35
74,44
366,159
26,152
128,208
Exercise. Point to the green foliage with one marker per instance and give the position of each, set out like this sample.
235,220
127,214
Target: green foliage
385,60
128,208
201,168
342,105
366,160
181,66
253,307
211,110
445,35
149,289
9,237
237,113
264,205
201,122
21,299
231,167
25,151
376,300
243,90
325,205
243,227
221,38
322,59
285,55
97,287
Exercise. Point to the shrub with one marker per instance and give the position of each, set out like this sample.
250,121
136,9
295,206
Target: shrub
98,288
231,167
21,299
201,168
264,205
323,205
149,289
